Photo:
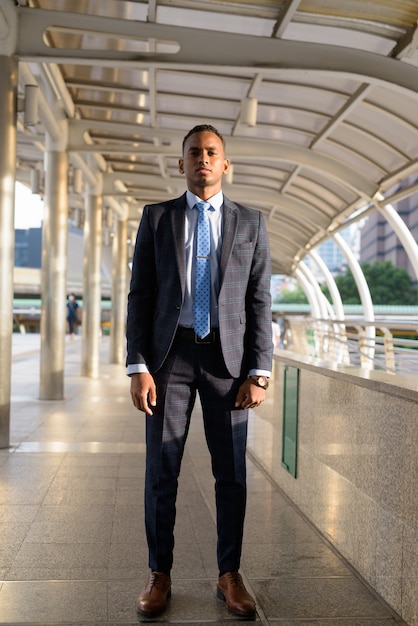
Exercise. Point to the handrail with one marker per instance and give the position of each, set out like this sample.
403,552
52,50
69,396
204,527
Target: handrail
394,348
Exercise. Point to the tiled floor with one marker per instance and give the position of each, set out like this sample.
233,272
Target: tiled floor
72,547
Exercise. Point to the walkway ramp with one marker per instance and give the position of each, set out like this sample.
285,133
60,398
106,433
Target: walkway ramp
73,549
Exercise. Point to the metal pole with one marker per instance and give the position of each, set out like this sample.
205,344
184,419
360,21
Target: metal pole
367,354
92,297
8,97
119,292
404,234
54,276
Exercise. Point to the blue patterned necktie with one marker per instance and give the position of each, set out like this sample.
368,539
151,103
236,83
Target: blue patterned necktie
201,304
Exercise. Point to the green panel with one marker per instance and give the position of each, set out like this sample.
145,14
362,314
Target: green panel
290,419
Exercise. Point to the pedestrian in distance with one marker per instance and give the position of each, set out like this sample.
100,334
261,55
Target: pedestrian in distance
72,315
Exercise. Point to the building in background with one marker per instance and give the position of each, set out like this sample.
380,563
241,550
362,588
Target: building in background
28,262
380,243
28,247
332,255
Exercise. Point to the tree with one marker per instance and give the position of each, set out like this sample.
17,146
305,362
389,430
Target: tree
291,296
388,285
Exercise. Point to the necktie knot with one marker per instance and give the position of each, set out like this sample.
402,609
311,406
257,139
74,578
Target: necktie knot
202,206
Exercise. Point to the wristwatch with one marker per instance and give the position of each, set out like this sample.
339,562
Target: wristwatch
260,381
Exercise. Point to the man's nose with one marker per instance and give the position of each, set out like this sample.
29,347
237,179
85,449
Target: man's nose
203,157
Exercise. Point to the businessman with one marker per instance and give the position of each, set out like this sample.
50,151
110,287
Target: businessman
199,321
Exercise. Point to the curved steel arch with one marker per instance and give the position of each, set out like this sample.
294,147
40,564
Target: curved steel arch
319,88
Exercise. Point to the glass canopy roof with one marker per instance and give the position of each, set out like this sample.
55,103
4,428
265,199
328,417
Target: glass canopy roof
331,86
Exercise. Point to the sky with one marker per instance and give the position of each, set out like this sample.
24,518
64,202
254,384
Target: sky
28,208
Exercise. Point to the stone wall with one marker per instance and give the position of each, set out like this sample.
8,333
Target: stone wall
357,468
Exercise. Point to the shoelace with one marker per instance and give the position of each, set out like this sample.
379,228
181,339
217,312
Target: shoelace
155,579
235,579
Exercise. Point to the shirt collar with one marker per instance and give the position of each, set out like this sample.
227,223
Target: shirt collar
216,201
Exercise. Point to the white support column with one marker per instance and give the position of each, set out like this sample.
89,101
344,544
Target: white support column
321,328
92,294
309,341
8,96
340,348
323,304
54,274
331,284
309,292
119,292
365,298
403,233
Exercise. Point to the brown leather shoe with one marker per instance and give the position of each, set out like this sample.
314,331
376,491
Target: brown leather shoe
153,598
232,590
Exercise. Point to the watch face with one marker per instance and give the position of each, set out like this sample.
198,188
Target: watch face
261,381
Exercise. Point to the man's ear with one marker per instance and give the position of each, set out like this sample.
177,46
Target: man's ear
226,166
181,168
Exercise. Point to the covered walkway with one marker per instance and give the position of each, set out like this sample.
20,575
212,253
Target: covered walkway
317,101
72,541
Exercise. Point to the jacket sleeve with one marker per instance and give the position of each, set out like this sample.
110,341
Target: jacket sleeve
259,344
141,298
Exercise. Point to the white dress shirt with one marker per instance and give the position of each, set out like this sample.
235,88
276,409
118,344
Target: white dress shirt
215,219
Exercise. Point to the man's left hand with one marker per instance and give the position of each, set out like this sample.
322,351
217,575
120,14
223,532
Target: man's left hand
249,395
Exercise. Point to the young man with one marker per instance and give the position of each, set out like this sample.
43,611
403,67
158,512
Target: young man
170,358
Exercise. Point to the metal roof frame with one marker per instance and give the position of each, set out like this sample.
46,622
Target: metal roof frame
121,83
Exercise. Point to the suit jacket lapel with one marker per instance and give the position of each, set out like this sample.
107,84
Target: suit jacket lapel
230,224
177,222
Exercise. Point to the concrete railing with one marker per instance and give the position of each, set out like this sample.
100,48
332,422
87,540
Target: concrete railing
356,466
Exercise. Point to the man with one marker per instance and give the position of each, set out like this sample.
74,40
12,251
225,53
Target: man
72,314
169,360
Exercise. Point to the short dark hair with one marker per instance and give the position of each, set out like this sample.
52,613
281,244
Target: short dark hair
201,128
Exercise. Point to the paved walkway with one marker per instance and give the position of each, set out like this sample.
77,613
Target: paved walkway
72,547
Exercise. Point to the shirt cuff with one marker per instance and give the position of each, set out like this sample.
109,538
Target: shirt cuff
256,372
136,368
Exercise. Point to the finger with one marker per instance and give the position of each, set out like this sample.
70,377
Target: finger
137,402
246,403
152,396
144,404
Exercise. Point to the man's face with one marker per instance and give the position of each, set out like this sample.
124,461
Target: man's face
204,164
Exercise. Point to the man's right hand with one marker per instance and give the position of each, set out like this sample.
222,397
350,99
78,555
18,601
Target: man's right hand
143,392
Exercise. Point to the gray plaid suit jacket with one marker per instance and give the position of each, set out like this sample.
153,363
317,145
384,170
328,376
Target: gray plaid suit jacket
158,279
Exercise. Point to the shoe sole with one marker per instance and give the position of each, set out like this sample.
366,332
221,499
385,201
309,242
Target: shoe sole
250,616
